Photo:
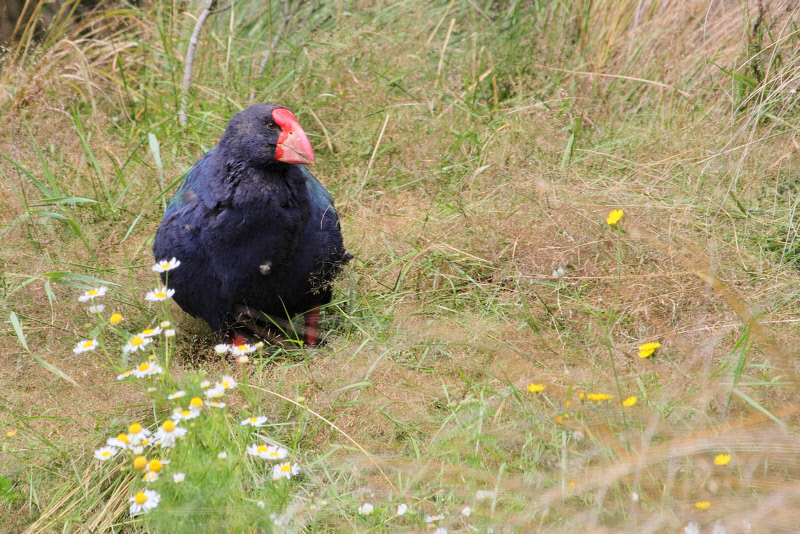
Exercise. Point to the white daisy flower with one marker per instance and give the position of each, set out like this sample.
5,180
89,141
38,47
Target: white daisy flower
243,359
364,509
168,433
83,346
466,511
195,404
215,404
125,375
221,349
205,384
97,308
216,392
169,332
144,501
105,453
93,293
165,324
255,421
184,415
150,332
227,382
152,390
147,369
432,518
222,455
275,453
179,477
150,476
159,294
257,450
244,348
136,343
285,470
121,441
440,530
176,395
261,504
137,434
402,509
166,265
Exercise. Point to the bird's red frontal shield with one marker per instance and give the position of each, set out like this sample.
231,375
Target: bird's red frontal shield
293,145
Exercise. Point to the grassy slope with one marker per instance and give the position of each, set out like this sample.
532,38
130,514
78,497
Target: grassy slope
467,166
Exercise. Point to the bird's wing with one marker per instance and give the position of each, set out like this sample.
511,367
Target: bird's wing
194,178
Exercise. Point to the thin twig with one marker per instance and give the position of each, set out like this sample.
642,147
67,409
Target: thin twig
190,51
631,78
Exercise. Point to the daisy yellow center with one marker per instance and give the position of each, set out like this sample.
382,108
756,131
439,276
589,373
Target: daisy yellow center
93,292
87,344
161,294
155,466
272,453
168,426
254,420
167,265
242,347
144,367
140,463
136,341
262,448
286,468
196,402
135,428
123,438
140,498
186,413
225,384
105,454
148,331
115,318
145,442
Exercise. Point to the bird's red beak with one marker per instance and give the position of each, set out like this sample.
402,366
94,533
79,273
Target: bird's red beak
293,145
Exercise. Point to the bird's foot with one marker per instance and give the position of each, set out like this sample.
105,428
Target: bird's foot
235,340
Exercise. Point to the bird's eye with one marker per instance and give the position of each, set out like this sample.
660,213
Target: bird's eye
271,126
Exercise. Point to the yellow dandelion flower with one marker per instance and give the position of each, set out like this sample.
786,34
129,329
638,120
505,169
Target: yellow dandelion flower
568,403
630,401
581,395
559,420
722,459
702,505
647,350
599,397
115,318
614,217
535,388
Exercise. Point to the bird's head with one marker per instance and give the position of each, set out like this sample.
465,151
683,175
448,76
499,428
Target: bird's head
265,133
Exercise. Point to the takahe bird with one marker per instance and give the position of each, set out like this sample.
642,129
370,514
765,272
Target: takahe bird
254,231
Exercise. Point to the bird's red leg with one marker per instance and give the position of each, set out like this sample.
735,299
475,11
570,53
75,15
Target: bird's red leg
236,340
310,334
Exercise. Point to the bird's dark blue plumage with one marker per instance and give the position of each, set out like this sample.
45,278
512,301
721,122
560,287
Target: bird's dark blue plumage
251,230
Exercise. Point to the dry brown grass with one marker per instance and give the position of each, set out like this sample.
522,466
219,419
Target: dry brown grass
457,224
